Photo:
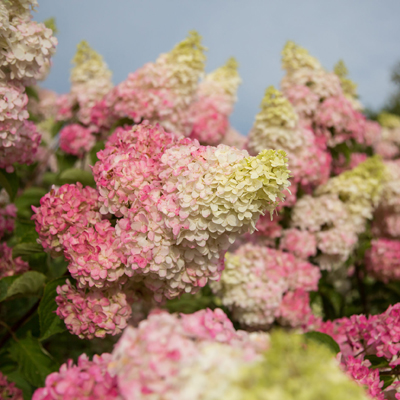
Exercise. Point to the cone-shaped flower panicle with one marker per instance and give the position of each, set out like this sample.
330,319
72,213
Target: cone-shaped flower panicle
295,57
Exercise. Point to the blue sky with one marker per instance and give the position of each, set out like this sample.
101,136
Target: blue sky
129,33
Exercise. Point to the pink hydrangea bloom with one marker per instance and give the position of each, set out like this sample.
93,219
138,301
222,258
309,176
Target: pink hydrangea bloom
150,359
303,99
359,370
64,104
88,380
8,213
337,121
8,265
76,140
302,244
95,313
8,391
383,259
19,143
69,205
372,133
257,278
94,259
295,309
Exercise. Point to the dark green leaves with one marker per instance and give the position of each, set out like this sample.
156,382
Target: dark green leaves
324,339
74,175
26,249
93,153
28,284
33,362
50,323
9,181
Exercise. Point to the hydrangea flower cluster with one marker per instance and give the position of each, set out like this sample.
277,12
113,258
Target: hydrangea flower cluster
166,355
178,207
261,285
77,140
277,127
8,213
90,82
388,147
26,47
360,190
360,336
209,114
8,391
10,266
159,92
87,380
341,164
326,219
325,101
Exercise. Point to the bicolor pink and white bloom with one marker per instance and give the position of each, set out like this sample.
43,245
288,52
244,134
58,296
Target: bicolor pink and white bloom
76,140
10,266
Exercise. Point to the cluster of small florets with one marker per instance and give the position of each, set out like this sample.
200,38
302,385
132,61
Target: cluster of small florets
326,219
261,285
8,214
360,336
159,92
178,207
77,140
90,81
209,114
87,380
26,49
277,127
324,101
157,358
10,266
388,147
200,356
8,391
342,164
359,189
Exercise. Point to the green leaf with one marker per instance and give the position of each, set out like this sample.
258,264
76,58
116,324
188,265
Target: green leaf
26,249
56,128
50,323
65,161
93,153
74,175
377,362
387,379
49,178
9,181
30,197
28,284
33,362
32,93
324,339
21,383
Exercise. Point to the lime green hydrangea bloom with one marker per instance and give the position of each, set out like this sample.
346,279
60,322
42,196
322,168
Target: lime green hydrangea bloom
360,189
294,370
295,57
390,121
51,24
349,87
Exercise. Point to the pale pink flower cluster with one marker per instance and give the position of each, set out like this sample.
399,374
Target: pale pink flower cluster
8,265
95,313
87,380
341,164
277,127
209,114
45,107
321,101
234,139
26,47
302,244
160,92
90,81
388,145
260,285
8,214
77,140
383,260
8,391
178,207
175,357
326,219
